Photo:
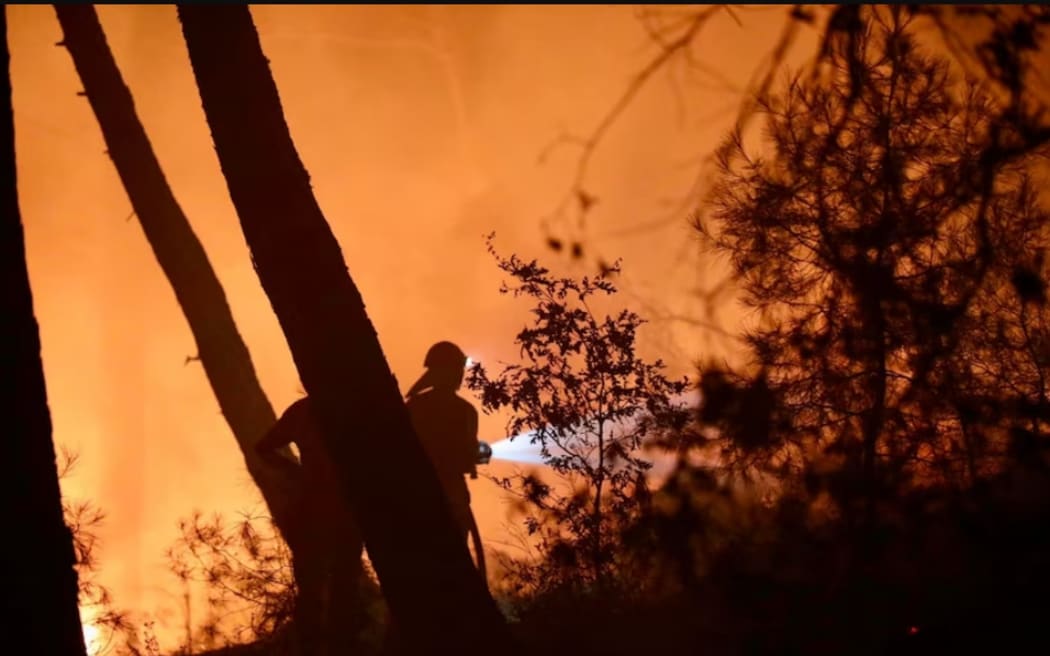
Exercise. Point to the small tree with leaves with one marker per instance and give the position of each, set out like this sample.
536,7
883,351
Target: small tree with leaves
582,393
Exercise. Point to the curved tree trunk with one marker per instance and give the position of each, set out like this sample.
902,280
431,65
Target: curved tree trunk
221,350
437,597
42,607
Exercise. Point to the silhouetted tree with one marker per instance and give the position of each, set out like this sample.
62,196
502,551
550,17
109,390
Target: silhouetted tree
888,241
1003,46
41,605
437,598
890,247
591,403
220,348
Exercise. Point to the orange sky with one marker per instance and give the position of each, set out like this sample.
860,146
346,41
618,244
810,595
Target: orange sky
421,127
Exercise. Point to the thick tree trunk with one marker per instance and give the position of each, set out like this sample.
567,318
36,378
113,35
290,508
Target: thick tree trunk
220,348
42,606
438,600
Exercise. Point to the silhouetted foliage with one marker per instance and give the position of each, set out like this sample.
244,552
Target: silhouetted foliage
115,632
891,266
875,481
84,519
583,394
1002,45
881,482
246,569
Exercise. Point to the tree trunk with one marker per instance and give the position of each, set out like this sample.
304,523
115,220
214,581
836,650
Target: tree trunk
220,348
42,608
439,601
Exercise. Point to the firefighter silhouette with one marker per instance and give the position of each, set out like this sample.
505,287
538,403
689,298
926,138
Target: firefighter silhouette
447,426
323,535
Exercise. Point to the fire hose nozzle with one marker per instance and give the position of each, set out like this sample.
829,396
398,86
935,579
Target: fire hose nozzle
484,453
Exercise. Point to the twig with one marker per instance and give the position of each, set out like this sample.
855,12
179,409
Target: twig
589,145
